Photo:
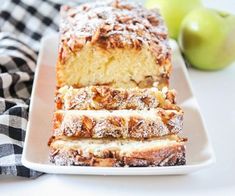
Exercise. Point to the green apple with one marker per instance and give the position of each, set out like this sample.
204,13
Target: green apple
173,12
207,38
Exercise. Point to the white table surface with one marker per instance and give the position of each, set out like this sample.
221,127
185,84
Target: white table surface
215,92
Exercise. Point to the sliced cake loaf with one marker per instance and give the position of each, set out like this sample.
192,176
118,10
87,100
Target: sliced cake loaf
112,103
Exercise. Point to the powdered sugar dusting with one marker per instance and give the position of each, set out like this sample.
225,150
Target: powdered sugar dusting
114,24
111,124
103,97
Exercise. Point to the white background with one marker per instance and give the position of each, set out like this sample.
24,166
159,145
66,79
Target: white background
215,92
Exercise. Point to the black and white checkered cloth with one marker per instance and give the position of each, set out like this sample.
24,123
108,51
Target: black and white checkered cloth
22,24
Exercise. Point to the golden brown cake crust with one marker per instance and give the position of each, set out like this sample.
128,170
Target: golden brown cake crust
113,24
166,156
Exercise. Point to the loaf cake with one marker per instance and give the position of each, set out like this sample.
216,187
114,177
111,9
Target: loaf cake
164,151
113,107
112,43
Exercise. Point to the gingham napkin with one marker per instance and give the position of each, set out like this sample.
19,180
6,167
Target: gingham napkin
22,24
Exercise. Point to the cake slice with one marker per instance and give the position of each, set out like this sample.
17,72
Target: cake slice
165,151
112,43
109,98
138,124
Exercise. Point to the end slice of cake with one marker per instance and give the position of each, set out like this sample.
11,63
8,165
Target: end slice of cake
113,43
165,151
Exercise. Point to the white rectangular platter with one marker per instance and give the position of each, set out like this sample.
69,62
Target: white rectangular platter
199,153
